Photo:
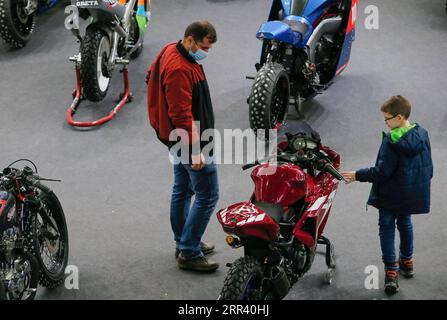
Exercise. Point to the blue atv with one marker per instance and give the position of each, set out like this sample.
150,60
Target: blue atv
306,44
17,19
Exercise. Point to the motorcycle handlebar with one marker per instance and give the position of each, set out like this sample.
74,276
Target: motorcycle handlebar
257,162
326,166
281,157
250,165
323,165
26,174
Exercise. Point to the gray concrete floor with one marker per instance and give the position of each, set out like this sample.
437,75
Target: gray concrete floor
117,180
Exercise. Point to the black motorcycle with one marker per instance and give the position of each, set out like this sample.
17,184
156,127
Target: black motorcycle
18,19
33,235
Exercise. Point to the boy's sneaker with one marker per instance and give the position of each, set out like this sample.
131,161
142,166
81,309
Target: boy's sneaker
391,284
200,264
206,248
406,268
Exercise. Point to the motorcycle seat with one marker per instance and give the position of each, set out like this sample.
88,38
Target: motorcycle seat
274,211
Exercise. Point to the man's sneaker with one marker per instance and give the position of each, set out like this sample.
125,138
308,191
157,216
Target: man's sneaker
406,268
200,264
206,248
391,284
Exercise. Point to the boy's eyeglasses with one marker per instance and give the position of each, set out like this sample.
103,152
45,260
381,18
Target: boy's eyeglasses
386,119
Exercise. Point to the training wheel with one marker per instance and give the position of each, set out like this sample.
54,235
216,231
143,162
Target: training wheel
329,276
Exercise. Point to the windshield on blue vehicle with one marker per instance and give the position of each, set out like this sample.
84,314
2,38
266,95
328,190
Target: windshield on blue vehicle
297,7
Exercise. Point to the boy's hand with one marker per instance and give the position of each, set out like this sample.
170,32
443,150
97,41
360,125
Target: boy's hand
349,176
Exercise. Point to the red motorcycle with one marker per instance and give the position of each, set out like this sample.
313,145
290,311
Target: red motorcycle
282,223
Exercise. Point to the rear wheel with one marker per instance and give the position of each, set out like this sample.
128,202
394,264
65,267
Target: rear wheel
269,97
244,281
16,26
95,77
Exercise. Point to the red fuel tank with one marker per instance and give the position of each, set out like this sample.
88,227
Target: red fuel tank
282,184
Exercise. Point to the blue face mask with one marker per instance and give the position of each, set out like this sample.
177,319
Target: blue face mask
199,54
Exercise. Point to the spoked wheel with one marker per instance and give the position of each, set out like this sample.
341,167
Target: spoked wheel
269,97
95,75
16,26
50,239
244,281
20,278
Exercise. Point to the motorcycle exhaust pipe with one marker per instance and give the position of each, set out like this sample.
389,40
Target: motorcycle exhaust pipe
280,282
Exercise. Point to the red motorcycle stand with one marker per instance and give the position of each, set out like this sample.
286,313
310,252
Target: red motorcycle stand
124,98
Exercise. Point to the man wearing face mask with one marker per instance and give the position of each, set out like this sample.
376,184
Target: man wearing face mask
179,100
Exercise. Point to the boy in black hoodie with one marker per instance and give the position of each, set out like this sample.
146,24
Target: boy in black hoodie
401,181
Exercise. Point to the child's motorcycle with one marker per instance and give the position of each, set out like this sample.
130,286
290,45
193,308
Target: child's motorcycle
115,34
283,222
17,19
306,43
33,235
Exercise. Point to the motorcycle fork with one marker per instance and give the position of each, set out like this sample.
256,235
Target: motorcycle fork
114,48
37,206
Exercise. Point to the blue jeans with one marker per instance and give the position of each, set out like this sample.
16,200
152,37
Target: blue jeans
189,222
387,228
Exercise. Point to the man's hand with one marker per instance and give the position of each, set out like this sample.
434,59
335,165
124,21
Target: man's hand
349,176
198,162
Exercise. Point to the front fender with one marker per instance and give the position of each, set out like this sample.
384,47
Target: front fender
105,27
280,31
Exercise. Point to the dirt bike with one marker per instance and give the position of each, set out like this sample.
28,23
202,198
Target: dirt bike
33,235
113,37
18,19
306,44
282,223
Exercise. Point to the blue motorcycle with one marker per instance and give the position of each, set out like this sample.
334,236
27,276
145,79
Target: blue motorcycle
306,44
17,19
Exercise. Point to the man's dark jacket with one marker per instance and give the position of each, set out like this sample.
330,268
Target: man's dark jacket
178,96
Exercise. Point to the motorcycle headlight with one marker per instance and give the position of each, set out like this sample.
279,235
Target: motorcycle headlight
301,143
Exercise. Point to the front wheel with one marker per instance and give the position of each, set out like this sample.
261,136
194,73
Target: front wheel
16,26
49,236
95,53
269,97
244,281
